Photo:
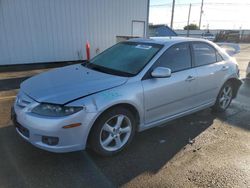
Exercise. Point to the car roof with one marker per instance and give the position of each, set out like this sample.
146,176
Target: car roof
167,40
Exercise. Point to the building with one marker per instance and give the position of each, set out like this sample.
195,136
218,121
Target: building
57,30
160,31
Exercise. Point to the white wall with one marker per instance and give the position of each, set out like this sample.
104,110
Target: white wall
56,30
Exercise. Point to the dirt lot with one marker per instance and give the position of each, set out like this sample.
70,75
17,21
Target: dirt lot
200,150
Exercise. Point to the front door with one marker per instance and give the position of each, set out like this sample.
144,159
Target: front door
166,97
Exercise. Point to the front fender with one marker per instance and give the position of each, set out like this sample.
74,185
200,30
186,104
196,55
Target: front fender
131,94
96,104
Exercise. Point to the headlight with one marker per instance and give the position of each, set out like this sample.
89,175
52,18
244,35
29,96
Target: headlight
54,110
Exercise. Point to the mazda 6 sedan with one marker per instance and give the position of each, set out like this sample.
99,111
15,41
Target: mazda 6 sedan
130,87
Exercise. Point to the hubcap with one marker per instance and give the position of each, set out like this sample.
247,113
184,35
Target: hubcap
226,97
115,132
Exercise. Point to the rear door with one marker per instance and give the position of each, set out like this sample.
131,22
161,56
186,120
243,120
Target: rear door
210,69
166,97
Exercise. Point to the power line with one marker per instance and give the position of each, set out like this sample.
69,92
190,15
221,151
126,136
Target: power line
239,4
244,21
169,4
209,20
195,4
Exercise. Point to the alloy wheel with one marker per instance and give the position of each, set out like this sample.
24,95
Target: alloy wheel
226,97
115,132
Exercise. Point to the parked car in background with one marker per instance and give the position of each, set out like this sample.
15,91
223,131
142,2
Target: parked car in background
161,31
130,87
208,36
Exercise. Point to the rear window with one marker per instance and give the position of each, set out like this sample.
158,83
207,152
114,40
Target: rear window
204,54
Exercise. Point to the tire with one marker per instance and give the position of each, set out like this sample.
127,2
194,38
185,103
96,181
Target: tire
112,132
224,98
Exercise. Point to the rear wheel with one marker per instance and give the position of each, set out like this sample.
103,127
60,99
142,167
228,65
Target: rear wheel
112,132
224,98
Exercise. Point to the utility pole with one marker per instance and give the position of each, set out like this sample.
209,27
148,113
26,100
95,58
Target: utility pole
188,19
172,17
201,12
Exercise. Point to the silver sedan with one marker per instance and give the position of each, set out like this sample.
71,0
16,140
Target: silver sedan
132,86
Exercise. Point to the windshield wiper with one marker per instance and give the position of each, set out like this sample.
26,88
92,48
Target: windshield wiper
85,63
105,70
98,69
91,66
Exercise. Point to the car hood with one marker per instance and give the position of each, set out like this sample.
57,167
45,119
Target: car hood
62,85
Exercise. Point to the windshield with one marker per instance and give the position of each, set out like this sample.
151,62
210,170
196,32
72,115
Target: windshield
124,59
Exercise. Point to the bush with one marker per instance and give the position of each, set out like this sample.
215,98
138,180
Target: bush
191,27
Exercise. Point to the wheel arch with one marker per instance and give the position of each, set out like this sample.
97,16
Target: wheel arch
129,106
236,85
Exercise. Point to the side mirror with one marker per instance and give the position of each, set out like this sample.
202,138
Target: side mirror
161,72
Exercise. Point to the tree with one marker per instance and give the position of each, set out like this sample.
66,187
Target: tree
191,27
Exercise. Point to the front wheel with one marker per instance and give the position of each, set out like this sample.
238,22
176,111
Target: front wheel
224,98
112,132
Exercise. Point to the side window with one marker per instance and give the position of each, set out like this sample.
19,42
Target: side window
204,54
176,58
219,57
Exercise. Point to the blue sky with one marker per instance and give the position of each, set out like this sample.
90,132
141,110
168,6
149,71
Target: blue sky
223,14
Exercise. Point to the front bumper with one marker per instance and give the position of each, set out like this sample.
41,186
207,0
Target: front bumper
34,128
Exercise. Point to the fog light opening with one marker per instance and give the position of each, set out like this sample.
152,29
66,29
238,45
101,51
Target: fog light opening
51,141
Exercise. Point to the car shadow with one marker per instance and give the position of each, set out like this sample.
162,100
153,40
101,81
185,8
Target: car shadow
152,149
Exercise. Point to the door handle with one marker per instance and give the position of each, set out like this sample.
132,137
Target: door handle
190,78
224,68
